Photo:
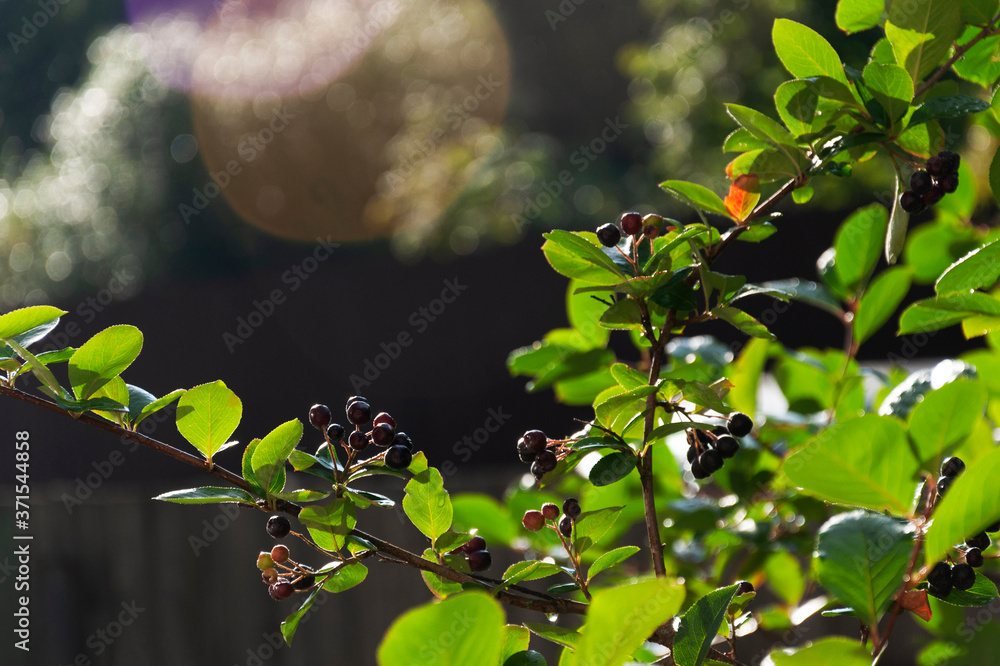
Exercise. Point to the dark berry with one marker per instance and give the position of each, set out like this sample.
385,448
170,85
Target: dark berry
940,575
544,463
281,590
278,527
703,437
727,446
692,454
535,440
631,223
963,576
920,182
698,471
319,416
650,231
304,583
935,165
943,483
264,561
384,418
524,453
335,432
398,457
740,424
974,557
911,202
939,591
952,467
571,507
358,440
383,435
609,235
480,560
995,527
745,587
279,554
933,196
533,520
949,162
566,526
359,413
720,431
402,439
948,184
980,541
710,461
550,511
355,398
472,545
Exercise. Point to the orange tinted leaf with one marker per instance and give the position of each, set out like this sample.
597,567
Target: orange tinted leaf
743,195
915,601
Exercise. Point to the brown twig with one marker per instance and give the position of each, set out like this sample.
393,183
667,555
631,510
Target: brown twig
988,30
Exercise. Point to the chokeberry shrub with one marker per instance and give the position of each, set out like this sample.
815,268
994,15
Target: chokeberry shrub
872,496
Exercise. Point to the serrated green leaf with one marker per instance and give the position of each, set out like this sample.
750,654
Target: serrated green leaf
861,558
346,577
154,406
529,570
858,15
270,455
880,300
696,196
554,633
610,559
921,33
625,313
516,639
865,461
892,86
103,357
966,509
979,64
291,623
590,526
427,504
804,52
330,524
699,625
979,269
950,106
575,256
858,244
207,415
944,418
17,322
932,314
207,495
743,322
612,468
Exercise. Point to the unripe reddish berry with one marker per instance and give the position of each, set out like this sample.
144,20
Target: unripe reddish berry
279,554
533,520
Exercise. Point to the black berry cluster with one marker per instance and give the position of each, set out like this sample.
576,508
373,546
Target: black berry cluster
548,516
383,431
950,470
475,553
292,577
535,449
708,451
928,187
632,224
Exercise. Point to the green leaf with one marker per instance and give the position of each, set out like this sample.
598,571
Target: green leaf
529,570
516,639
620,619
743,322
612,468
207,415
866,461
804,52
762,127
482,512
880,300
575,256
584,311
33,335
346,577
90,404
899,220
979,269
995,174
428,504
806,291
921,33
207,495
950,106
610,559
979,64
302,495
745,374
833,651
590,526
42,373
945,418
858,244
892,86
676,294
329,525
154,406
740,140
935,313
699,625
798,107
697,196
862,558
966,509
858,15
291,623
554,633
270,455
463,629
625,313
18,322
525,658
784,576
982,593
103,357
247,468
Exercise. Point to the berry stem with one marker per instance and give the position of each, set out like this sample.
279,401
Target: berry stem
646,457
574,557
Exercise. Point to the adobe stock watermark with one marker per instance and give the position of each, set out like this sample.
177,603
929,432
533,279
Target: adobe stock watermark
30,27
292,280
419,321
210,531
250,147
581,158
